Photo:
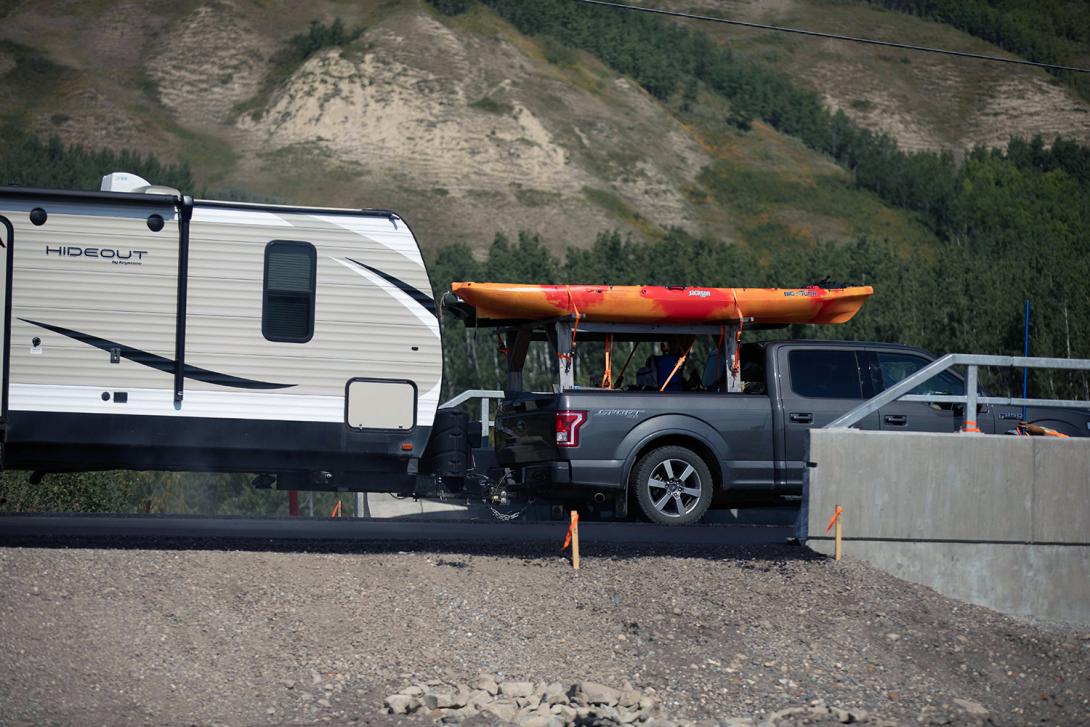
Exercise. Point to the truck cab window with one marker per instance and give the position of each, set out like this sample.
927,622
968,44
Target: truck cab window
898,366
287,310
825,374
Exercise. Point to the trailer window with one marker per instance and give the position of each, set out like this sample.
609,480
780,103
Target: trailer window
287,311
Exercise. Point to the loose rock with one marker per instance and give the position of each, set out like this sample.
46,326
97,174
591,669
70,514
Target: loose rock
525,703
974,708
517,689
503,711
401,703
599,693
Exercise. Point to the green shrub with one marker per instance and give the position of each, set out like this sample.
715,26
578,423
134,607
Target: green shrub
451,7
492,106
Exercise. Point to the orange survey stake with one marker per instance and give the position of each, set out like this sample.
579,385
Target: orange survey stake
574,524
834,518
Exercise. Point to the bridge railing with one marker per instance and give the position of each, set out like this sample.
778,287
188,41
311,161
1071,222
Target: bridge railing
971,398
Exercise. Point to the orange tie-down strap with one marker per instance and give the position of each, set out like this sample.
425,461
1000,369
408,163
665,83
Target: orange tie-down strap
678,365
834,518
607,375
574,522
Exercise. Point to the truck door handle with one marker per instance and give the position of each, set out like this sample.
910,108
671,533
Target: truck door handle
897,420
798,418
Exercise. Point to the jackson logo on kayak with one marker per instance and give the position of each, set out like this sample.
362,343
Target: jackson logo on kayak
700,293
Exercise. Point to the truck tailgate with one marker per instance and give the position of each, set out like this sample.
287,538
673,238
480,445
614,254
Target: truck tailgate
526,429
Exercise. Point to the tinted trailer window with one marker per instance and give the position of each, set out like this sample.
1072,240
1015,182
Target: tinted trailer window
287,311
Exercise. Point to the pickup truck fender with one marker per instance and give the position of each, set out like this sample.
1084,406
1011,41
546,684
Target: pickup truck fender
671,426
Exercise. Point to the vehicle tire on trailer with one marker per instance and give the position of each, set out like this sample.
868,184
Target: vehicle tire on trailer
447,452
449,431
673,485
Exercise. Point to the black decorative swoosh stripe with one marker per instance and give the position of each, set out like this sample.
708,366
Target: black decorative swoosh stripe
424,300
159,363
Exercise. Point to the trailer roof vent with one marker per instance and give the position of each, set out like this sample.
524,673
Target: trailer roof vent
126,182
122,182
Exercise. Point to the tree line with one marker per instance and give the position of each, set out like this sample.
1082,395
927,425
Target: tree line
28,161
956,301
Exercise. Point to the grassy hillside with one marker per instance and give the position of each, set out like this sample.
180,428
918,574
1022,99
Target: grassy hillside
463,124
923,101
1056,32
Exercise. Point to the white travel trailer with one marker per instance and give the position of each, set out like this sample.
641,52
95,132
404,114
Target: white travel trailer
144,329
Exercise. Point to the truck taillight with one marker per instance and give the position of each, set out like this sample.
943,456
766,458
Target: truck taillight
567,427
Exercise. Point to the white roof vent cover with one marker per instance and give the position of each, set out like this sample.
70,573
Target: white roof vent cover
123,182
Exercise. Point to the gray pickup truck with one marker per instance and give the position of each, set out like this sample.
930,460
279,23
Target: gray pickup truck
672,452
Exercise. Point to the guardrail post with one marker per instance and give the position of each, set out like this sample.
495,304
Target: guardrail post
970,400
485,413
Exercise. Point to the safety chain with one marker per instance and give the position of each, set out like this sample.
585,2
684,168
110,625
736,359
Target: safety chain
507,517
501,516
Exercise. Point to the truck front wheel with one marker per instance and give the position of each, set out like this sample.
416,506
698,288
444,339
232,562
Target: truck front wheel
673,485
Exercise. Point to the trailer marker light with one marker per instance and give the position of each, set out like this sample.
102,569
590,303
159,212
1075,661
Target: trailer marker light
568,423
406,446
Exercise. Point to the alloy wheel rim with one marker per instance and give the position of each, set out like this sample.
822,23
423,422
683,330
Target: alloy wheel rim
675,487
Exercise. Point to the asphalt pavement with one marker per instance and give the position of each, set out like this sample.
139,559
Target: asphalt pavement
47,529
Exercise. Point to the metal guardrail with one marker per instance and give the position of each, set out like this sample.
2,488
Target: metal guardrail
972,397
485,395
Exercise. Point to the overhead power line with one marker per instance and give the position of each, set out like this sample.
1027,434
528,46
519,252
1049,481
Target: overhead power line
834,36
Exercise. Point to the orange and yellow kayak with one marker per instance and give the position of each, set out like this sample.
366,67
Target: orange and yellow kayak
662,304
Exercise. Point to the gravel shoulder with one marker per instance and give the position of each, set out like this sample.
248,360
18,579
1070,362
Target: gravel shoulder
205,636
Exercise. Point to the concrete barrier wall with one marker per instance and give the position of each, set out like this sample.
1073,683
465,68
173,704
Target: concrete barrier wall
1000,521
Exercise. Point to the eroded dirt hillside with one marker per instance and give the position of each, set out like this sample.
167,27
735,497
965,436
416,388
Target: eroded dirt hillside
468,128
484,129
923,101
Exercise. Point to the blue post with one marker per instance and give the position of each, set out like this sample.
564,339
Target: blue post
1025,371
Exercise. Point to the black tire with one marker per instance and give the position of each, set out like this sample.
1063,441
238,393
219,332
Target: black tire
449,434
686,488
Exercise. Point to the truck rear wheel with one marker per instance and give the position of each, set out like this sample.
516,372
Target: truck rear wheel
673,485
